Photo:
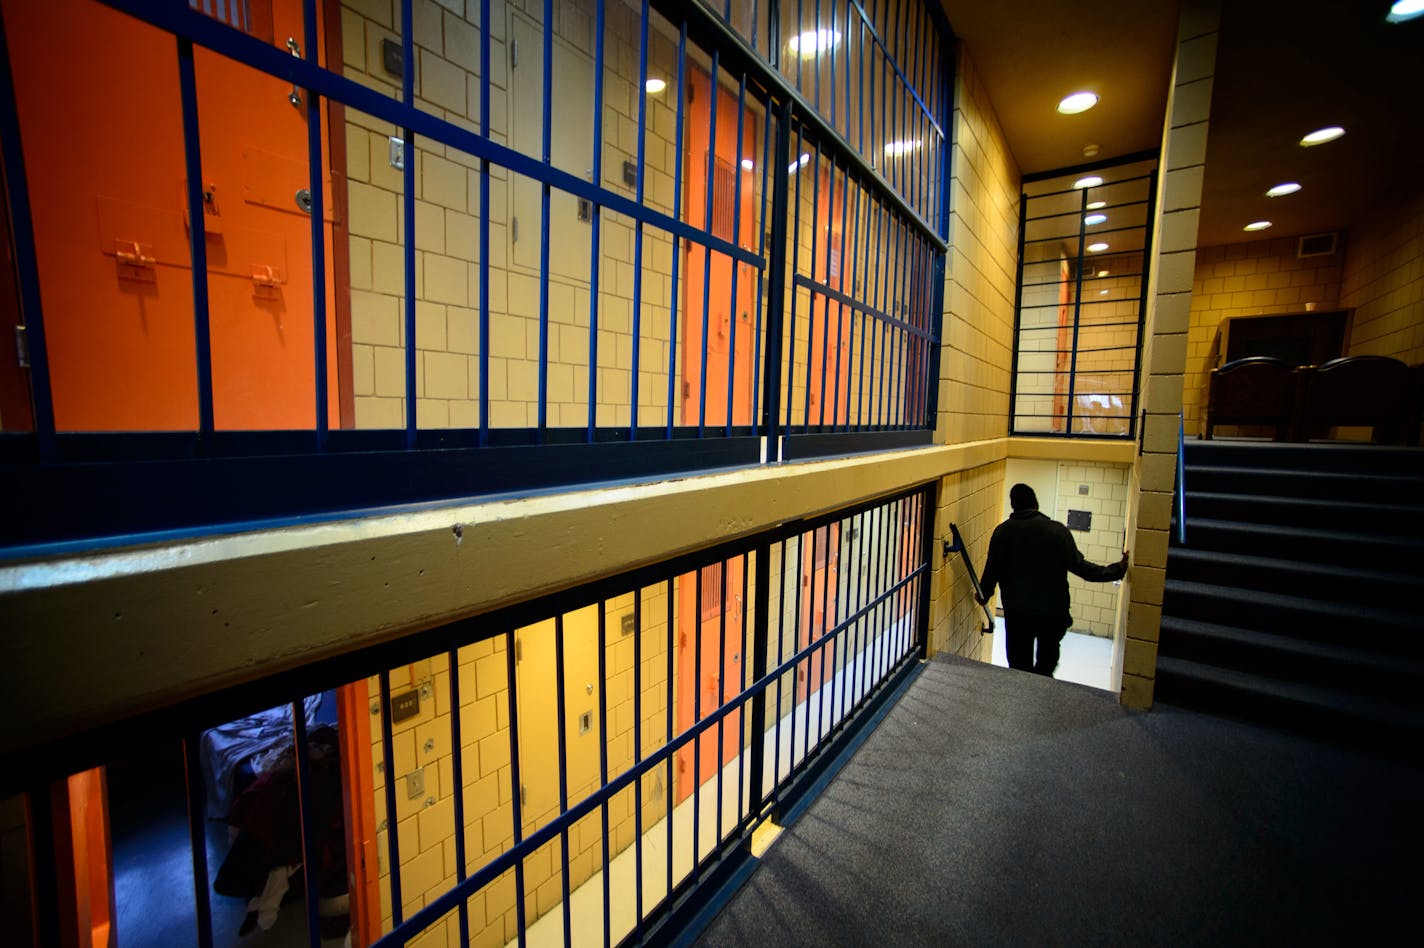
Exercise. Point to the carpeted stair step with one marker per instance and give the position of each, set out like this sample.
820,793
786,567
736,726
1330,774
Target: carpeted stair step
1386,630
1310,545
1343,665
1312,513
1349,716
1258,482
1321,458
1390,589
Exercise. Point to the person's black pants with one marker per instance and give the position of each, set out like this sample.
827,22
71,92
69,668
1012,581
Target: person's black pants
1024,632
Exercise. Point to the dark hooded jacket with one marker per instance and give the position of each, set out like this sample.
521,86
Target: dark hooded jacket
1031,557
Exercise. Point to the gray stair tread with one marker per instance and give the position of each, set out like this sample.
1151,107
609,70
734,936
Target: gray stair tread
1304,473
1365,706
1299,567
1347,611
1276,500
1330,651
1303,534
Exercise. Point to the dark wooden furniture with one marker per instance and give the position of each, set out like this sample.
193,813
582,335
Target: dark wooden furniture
1373,392
1258,390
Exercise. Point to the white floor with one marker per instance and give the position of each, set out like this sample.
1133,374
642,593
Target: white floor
1085,659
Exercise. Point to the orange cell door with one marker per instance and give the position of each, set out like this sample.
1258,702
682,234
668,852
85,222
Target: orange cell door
830,325
100,112
820,606
703,687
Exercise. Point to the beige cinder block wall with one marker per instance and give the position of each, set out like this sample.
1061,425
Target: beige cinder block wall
1169,295
976,350
1384,281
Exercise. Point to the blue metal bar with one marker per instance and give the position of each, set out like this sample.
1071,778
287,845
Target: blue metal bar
457,772
696,685
894,350
197,239
711,179
1142,304
1181,481
795,648
721,695
638,235
676,213
732,307
595,235
316,187
12,155
516,852
603,746
484,229
819,307
841,263
875,35
825,307
877,336
637,754
1077,308
741,660
545,155
816,63
853,417
561,712
198,837
780,651
768,160
392,835
305,810
670,786
408,215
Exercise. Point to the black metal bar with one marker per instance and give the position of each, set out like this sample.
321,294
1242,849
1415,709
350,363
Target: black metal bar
316,188
927,538
516,803
457,772
561,713
638,752
408,219
305,806
1150,154
392,835
603,748
596,232
670,787
1142,308
776,272
198,837
197,239
1018,322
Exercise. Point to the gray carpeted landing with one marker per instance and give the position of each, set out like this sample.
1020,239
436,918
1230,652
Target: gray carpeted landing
992,807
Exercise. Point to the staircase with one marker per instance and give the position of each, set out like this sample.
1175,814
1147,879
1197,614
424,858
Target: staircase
1298,599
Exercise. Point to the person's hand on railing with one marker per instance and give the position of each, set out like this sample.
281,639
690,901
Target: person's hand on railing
1126,557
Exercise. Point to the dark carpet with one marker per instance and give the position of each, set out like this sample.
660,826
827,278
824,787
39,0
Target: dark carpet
993,807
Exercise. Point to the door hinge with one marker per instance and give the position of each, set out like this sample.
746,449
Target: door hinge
523,795
513,53
518,651
514,230
22,347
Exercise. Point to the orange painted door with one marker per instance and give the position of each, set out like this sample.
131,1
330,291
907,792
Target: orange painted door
100,111
83,857
703,687
820,605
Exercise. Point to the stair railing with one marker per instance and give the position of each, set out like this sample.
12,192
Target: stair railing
956,545
1181,481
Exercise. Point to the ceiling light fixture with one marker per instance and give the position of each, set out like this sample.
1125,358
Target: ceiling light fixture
748,164
1092,219
1094,205
799,162
1097,248
1091,181
808,44
1102,292
1290,187
654,86
902,147
1257,225
1405,10
1322,135
1102,273
1078,102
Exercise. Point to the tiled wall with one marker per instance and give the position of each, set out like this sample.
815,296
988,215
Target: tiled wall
970,499
981,273
1383,282
1095,604
1258,278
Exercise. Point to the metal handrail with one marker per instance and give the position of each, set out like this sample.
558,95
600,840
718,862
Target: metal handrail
1181,481
957,546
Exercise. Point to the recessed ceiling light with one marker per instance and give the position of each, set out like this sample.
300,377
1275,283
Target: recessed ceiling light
1094,205
1092,219
808,44
1102,292
1405,10
748,164
1102,273
1257,225
799,162
1322,135
1097,248
1091,181
1078,102
1290,187
655,85
903,147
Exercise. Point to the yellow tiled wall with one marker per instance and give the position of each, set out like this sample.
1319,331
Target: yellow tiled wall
1259,278
970,499
1383,282
1095,604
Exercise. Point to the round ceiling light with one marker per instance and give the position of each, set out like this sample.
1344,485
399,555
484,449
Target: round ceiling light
1091,181
1322,135
1257,225
1078,102
1094,205
1092,219
1289,187
1405,10
748,164
655,86
808,44
1097,248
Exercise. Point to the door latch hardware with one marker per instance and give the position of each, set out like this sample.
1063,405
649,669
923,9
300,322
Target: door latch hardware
295,96
22,347
130,252
265,275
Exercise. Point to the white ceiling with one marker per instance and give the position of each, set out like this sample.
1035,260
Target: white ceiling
1281,71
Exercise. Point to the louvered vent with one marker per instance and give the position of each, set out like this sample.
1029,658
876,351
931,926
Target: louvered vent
1316,245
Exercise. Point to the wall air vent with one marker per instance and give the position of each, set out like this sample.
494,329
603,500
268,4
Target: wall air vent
1316,245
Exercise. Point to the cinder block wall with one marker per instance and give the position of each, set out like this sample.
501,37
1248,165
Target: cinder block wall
1383,281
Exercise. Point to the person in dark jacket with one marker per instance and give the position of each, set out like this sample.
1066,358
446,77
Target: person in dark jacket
1030,556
